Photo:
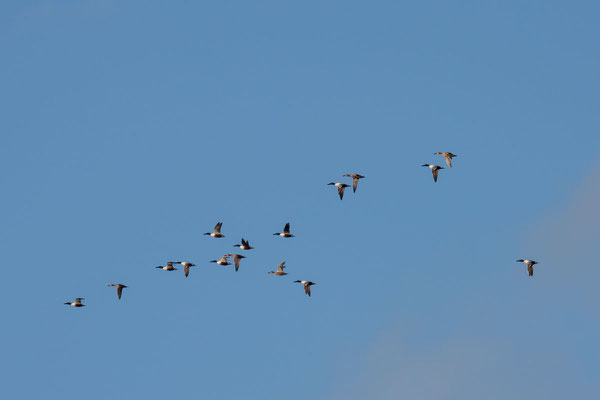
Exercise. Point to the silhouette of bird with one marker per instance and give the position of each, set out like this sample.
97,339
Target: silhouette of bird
217,231
223,261
529,264
448,156
341,187
244,246
286,231
279,271
434,170
236,260
168,267
119,287
186,266
76,303
355,178
307,285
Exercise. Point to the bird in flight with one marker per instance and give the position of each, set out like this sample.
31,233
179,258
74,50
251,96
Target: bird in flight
119,287
307,285
168,267
355,178
279,271
448,156
286,231
186,266
341,187
529,264
236,260
244,246
223,261
434,170
76,303
217,231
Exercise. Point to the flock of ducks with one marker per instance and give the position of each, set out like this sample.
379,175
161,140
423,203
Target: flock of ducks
224,261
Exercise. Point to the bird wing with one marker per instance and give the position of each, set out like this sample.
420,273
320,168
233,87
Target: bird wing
218,227
286,229
186,270
448,160
280,267
236,261
78,300
341,192
435,174
245,242
530,269
119,291
307,289
354,184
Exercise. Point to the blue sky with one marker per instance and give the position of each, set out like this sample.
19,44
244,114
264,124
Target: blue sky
130,128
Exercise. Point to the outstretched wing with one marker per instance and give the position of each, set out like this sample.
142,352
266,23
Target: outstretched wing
280,267
448,160
119,291
341,192
286,229
218,227
530,269
435,174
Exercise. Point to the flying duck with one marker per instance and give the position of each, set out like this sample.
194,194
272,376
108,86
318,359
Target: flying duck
223,261
355,178
168,267
448,156
307,285
434,170
76,303
186,266
119,287
236,260
286,231
279,271
244,246
529,264
341,187
217,232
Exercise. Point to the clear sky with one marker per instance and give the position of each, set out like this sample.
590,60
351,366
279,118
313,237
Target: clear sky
129,128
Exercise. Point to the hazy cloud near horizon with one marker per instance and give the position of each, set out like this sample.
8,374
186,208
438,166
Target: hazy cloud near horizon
521,354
